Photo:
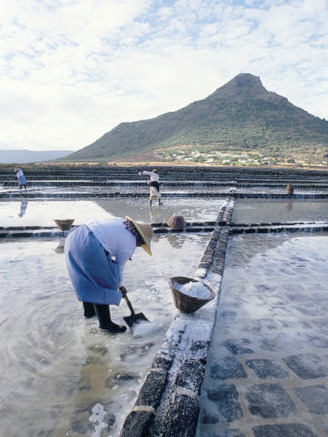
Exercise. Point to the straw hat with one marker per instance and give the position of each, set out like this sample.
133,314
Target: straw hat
146,232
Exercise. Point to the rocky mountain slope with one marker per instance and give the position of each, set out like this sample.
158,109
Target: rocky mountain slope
241,116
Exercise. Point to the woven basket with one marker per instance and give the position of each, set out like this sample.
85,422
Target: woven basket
185,303
176,222
64,225
289,189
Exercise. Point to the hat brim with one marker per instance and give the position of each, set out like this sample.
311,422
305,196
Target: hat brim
146,246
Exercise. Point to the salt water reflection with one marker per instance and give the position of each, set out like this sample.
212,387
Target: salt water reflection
279,210
43,212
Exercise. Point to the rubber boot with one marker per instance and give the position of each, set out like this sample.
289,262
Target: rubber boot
89,310
159,201
150,201
105,322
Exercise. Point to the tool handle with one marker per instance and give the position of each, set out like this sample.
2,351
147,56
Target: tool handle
128,303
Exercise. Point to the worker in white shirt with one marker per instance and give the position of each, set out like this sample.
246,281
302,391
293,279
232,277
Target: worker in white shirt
153,185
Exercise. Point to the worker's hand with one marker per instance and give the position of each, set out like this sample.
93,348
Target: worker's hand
122,290
140,173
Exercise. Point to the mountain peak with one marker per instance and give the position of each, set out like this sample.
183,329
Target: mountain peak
245,80
243,83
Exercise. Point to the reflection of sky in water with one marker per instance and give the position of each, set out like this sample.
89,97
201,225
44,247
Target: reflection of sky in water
279,210
43,213
281,190
143,188
106,189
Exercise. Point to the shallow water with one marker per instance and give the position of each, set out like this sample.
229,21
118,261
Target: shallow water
282,190
279,210
48,190
43,212
274,301
60,374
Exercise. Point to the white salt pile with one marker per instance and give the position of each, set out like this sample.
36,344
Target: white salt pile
144,329
194,289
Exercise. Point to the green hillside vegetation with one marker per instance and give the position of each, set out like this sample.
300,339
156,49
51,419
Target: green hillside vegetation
241,119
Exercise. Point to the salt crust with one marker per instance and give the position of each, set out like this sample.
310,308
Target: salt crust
194,289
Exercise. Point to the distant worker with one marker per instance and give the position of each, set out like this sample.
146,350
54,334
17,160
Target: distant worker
21,178
153,185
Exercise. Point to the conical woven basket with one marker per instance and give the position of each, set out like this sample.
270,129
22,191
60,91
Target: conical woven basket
185,303
289,189
176,222
64,225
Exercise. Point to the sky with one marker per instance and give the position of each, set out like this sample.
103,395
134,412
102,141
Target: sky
72,70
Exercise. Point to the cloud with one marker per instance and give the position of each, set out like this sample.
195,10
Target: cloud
72,70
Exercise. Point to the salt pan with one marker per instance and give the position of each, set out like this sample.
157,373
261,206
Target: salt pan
194,289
